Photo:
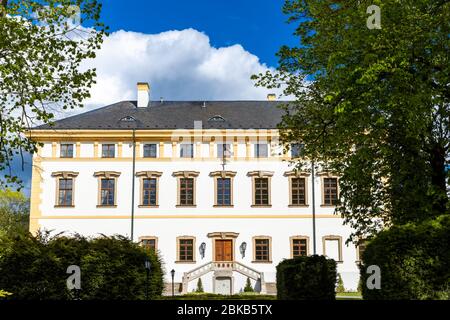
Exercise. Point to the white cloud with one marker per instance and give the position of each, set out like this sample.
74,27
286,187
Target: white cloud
179,65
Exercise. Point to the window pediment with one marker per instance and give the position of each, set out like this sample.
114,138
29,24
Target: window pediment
65,174
296,173
223,174
149,174
186,174
260,174
222,235
107,174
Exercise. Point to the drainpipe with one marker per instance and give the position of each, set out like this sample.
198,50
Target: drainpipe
132,185
313,206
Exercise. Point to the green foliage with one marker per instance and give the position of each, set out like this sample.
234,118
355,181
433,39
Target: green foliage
4,294
340,284
111,268
371,105
43,45
199,288
14,212
248,286
306,278
414,261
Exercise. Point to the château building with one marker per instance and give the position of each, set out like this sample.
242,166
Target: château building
206,184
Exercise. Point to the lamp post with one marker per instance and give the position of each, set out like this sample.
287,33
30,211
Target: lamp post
202,249
148,266
242,248
173,275
313,206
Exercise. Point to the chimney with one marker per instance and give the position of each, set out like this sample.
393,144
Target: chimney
143,94
271,97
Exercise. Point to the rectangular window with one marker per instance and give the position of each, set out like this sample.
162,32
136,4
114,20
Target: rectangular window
186,150
149,191
108,150
298,196
223,150
299,247
150,150
332,250
107,192
186,191
261,150
261,191
186,250
149,244
65,192
223,191
330,191
262,250
66,150
361,248
296,150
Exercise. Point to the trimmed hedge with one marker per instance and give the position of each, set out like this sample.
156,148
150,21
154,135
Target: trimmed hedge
112,268
414,261
306,278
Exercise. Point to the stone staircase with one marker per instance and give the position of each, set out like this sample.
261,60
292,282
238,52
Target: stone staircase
221,267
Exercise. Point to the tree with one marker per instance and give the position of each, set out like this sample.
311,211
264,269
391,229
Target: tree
42,47
372,105
199,286
14,212
248,286
340,284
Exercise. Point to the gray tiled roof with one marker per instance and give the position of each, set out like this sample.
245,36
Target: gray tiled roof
177,115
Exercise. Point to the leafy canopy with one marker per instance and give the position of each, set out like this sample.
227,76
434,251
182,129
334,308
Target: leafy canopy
42,46
371,104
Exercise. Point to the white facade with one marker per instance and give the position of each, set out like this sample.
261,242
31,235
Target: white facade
204,222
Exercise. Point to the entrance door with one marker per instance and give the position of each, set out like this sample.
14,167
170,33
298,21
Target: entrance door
223,285
224,250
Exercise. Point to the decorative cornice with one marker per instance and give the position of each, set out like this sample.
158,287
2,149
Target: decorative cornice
223,174
260,174
186,174
65,174
296,173
149,174
327,174
107,174
222,235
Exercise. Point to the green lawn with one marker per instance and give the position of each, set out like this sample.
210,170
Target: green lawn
249,296
212,296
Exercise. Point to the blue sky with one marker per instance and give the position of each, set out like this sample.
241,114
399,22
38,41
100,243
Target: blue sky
186,50
258,25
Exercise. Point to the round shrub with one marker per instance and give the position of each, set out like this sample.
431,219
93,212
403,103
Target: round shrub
414,261
306,278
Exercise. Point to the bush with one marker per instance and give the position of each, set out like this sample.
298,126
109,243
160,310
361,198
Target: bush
111,268
248,286
414,261
199,286
306,278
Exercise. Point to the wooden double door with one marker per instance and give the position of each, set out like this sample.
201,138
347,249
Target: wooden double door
224,250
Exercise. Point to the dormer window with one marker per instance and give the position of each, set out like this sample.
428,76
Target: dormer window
128,119
216,118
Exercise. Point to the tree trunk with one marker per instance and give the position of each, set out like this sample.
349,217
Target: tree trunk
438,178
